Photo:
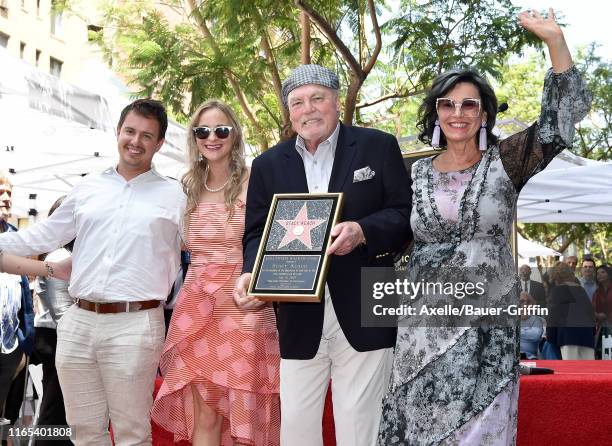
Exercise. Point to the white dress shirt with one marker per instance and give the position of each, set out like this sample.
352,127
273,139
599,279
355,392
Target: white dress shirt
128,236
318,167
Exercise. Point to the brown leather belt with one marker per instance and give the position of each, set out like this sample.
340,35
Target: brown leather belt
117,307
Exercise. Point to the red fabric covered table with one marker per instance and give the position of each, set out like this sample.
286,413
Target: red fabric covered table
572,407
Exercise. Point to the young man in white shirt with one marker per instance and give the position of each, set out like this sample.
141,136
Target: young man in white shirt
127,223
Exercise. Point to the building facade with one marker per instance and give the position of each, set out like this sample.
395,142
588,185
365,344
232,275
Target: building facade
41,34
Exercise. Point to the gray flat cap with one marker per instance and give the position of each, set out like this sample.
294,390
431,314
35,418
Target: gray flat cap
309,74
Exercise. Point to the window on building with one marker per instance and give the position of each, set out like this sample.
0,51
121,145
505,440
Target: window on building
56,19
55,66
92,31
22,46
4,39
4,8
37,57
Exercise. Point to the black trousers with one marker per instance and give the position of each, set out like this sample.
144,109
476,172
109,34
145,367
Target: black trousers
52,411
167,318
8,366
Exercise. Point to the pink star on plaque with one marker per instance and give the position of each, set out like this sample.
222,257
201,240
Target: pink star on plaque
299,228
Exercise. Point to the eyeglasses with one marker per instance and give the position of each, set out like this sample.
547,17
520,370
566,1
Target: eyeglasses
469,107
221,131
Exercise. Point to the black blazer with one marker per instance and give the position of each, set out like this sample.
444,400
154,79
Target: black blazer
536,290
381,205
571,320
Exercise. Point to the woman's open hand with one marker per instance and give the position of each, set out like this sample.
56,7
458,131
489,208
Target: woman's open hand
546,28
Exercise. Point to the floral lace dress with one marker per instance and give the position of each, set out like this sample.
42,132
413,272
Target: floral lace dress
459,385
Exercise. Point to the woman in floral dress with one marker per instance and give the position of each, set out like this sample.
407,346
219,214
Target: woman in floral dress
459,385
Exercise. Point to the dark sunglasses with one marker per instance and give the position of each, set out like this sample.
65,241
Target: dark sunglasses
221,131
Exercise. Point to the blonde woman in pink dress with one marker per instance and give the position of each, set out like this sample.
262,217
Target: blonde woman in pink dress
220,364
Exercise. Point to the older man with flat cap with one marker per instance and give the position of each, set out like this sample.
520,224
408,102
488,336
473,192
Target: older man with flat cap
319,341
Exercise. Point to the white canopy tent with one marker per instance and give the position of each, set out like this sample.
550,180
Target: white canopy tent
528,248
52,134
570,190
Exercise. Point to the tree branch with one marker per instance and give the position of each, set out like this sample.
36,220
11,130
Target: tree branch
305,40
333,37
570,239
240,96
271,63
522,232
397,94
376,28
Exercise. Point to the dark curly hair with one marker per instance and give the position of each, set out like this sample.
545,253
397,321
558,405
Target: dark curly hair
441,86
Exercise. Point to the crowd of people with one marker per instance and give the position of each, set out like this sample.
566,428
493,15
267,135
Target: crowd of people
237,370
579,307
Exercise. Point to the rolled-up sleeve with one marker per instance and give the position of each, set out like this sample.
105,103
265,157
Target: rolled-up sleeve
46,235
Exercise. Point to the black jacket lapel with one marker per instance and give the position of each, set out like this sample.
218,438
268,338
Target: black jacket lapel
345,151
295,174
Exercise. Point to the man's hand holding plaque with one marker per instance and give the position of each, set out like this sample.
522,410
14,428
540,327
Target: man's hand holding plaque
347,236
292,260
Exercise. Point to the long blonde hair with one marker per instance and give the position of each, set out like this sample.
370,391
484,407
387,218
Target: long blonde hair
193,180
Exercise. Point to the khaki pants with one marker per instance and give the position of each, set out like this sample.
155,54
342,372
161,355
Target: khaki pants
106,364
577,352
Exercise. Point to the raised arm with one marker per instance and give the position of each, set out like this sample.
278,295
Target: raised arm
565,102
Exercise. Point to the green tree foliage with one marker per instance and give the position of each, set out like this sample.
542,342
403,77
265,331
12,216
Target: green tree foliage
520,86
437,35
186,51
594,237
594,136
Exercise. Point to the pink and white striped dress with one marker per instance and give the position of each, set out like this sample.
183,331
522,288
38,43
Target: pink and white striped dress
230,356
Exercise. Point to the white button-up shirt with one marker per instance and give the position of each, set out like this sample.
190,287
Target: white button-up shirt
128,236
318,166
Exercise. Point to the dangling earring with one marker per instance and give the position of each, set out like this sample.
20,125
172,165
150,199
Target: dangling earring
482,140
435,138
200,157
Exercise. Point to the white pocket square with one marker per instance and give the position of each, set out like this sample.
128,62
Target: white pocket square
363,174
